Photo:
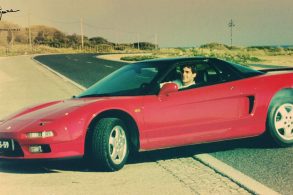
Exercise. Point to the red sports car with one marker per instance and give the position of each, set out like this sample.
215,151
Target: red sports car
140,107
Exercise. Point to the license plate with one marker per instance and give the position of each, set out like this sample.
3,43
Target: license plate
6,145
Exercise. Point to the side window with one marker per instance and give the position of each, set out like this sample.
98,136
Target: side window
213,75
173,75
207,73
225,73
186,75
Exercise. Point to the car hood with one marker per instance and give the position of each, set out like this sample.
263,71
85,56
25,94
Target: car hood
44,113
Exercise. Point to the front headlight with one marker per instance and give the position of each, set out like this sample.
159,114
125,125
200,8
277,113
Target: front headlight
43,134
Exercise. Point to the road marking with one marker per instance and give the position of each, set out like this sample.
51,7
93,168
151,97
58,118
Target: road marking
235,175
108,66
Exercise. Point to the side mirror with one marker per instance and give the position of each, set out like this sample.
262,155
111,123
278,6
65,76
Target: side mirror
168,88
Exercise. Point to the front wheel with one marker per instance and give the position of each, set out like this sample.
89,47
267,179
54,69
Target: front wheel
280,122
110,144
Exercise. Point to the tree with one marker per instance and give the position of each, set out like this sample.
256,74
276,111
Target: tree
145,45
73,40
99,40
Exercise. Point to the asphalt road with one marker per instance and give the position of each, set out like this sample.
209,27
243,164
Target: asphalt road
254,157
84,69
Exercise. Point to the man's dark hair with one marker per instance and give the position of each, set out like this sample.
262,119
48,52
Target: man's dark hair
192,67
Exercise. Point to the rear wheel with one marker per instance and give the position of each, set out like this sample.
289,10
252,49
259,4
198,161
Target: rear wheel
110,144
280,122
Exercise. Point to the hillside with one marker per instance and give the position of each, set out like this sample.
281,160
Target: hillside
46,36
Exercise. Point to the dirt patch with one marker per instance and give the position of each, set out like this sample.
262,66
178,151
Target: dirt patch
278,60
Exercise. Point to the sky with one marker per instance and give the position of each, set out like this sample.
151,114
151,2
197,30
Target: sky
170,23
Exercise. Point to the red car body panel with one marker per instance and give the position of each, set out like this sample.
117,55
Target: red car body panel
68,119
212,113
223,111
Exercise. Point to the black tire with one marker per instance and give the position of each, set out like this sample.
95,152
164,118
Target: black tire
110,146
280,122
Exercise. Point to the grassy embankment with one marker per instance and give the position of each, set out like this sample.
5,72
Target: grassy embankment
267,55
24,49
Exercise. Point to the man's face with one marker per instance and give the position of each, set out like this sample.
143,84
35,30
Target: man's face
187,76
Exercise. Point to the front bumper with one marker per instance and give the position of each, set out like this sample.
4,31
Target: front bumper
50,150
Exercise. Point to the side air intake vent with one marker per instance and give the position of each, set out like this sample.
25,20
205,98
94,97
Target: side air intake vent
251,103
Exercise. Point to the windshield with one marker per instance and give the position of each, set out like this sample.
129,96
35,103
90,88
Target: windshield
130,80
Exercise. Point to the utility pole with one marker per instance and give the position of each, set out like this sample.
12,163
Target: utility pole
81,32
116,39
138,41
29,31
231,24
11,36
156,41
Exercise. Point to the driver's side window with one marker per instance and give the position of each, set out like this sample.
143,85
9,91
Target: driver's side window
204,74
182,74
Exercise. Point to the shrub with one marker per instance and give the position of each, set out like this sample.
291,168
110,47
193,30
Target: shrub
138,58
217,46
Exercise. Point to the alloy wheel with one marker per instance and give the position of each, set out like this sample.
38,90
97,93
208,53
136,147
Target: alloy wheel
117,144
283,121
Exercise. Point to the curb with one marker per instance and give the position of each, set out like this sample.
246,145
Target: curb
241,179
105,57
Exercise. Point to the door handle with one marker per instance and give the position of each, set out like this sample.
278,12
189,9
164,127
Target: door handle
231,88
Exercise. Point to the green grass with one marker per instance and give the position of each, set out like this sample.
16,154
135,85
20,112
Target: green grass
240,56
24,49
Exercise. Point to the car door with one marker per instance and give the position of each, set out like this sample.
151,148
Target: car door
193,115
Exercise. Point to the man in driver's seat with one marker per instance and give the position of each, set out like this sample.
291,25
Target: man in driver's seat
187,79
